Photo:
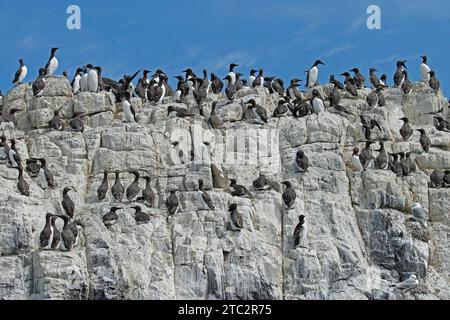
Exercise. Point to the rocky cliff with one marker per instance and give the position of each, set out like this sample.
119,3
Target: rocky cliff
360,242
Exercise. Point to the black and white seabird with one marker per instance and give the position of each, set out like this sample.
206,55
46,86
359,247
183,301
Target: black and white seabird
437,178
406,130
140,216
111,217
76,81
45,175
277,85
39,83
232,74
142,85
134,189
32,167
103,188
396,166
76,124
302,161
239,190
203,197
259,81
4,148
261,183
84,81
372,98
148,195
317,102
289,195
236,217
56,234
52,63
252,78
239,84
46,235
174,111
300,232
335,95
407,85
350,84
128,109
260,110
405,164
434,82
382,160
172,203
313,74
337,83
56,122
410,162
381,97
425,69
216,84
92,79
213,119
230,90
356,161
442,125
446,179
14,156
181,92
21,73
281,109
399,76
67,203
22,185
359,78
425,142
366,155
161,89
374,78
117,189
293,91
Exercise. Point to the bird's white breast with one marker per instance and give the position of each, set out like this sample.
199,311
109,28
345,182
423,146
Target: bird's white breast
23,73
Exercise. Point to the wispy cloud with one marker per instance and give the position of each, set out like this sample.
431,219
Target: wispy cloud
29,42
338,49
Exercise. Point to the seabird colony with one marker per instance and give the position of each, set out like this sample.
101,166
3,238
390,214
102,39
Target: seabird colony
155,89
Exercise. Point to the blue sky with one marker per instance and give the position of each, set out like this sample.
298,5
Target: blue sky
284,37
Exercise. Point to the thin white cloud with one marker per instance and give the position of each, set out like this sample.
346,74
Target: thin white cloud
29,42
338,49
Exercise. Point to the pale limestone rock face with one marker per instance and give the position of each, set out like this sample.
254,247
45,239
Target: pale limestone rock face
361,237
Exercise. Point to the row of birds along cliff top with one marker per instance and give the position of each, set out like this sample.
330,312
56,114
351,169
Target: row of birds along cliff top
157,90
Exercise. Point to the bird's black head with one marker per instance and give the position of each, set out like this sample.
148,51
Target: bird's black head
233,207
432,73
42,71
137,208
54,50
114,209
233,182
287,184
355,151
253,72
251,102
424,58
227,78
355,70
373,70
232,66
301,218
404,119
422,131
90,66
300,154
345,74
318,62
21,61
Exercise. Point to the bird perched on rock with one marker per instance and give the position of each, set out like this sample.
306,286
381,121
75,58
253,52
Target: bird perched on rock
216,84
350,84
337,83
67,236
14,156
396,166
128,109
172,203
405,164
33,168
236,217
261,183
56,122
399,76
76,124
147,194
446,179
300,232
425,69
52,63
140,217
381,97
239,190
45,175
419,213
409,283
374,78
372,98
289,195
111,217
359,78
67,202
356,161
366,155
213,119
406,130
425,142
382,160
134,189
383,80
367,128
442,125
313,74
103,188
407,85
281,109
410,162
39,84
21,73
434,82
293,92
203,197
174,111
259,81
56,234
260,111
118,189
302,161
437,178
46,235
317,102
